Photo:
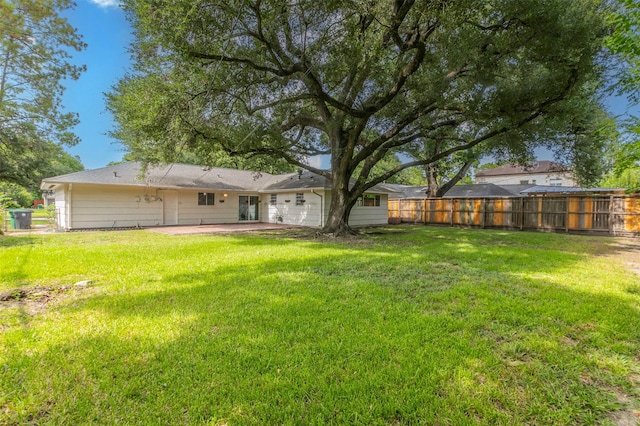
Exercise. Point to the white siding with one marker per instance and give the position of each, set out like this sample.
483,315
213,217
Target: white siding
83,206
539,178
291,214
370,215
98,206
61,206
224,210
362,216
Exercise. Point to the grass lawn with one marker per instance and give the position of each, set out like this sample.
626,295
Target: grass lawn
406,325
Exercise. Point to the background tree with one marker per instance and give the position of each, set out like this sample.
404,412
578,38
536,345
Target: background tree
624,44
35,46
356,80
578,131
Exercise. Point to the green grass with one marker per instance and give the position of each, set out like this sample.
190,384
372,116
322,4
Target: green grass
411,325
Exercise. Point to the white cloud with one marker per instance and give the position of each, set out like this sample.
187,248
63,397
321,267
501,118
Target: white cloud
106,3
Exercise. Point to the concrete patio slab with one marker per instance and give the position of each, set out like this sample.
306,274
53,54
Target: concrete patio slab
217,229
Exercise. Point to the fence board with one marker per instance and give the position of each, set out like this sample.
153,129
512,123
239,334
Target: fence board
615,214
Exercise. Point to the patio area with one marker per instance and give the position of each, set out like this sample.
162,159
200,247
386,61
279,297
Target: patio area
217,229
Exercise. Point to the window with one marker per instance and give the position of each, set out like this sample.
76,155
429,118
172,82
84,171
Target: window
205,198
368,201
555,182
273,200
524,182
300,199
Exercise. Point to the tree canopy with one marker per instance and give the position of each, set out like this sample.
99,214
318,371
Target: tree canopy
35,46
356,80
624,44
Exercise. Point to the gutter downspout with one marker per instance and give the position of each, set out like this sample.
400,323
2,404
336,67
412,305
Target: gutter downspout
313,191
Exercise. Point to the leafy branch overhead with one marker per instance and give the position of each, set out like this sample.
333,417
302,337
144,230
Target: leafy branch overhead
355,80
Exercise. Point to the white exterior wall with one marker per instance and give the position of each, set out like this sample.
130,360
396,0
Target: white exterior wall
61,206
83,206
98,206
370,215
361,215
540,179
102,206
305,215
224,210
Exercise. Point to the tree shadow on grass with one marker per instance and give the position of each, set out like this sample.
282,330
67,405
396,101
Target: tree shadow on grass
401,333
11,241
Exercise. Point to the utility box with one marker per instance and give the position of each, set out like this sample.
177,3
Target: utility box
20,218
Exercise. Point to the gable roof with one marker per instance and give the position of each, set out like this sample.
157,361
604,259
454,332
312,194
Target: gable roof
196,177
534,168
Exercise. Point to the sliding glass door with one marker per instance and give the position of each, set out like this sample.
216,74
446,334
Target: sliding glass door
249,208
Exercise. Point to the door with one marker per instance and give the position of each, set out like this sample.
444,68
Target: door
248,208
169,207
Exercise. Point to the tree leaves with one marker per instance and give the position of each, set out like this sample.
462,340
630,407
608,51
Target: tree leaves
35,46
355,79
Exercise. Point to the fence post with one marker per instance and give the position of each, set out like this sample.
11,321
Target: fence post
483,202
451,211
427,203
521,213
566,219
611,213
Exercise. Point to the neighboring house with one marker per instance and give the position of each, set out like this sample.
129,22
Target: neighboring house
546,173
180,194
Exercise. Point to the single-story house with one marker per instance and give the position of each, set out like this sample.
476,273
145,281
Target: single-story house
123,196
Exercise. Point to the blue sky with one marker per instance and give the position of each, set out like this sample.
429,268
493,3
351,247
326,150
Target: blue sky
104,28
108,34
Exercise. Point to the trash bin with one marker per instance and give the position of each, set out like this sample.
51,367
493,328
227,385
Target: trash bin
20,218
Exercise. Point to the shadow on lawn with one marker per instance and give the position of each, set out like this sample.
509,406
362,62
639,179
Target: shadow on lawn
406,333
11,241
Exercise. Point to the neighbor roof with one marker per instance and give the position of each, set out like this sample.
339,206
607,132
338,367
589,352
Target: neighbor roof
542,189
515,169
485,190
197,177
405,191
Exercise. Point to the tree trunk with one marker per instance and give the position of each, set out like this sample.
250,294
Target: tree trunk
341,199
338,218
461,173
432,180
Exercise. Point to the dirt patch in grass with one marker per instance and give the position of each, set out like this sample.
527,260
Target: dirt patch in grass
628,250
35,300
626,417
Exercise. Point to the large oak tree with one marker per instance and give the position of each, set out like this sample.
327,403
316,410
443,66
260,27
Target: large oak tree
357,80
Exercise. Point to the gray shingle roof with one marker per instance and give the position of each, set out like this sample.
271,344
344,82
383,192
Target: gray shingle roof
172,175
196,177
541,189
405,191
485,190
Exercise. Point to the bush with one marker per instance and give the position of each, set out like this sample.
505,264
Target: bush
17,193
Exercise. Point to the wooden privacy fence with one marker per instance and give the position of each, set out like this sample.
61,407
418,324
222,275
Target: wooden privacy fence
610,214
